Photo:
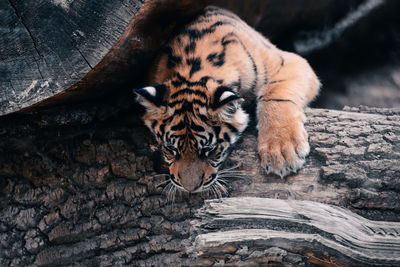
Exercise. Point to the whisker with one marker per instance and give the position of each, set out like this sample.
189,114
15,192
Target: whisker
233,176
174,195
208,192
222,180
221,187
232,173
233,167
171,194
159,175
163,183
217,190
212,191
167,187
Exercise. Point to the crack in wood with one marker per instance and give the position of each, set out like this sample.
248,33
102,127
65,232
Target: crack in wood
87,62
30,35
363,240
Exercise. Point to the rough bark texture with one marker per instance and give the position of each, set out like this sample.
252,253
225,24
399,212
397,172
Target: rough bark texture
78,187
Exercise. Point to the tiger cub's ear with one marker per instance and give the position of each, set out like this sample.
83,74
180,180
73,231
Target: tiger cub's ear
151,97
224,96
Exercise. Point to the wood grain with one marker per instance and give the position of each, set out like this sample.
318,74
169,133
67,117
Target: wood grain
289,224
48,46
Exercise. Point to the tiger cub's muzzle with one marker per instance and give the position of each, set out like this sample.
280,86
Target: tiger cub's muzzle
192,174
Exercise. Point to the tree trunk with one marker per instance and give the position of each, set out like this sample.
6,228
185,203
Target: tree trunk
79,187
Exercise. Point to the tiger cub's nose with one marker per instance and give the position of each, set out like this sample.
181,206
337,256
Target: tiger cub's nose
190,181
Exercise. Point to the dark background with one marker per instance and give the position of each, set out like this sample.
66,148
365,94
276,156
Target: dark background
360,65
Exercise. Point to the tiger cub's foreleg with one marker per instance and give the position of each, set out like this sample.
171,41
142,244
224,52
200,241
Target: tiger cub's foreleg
282,138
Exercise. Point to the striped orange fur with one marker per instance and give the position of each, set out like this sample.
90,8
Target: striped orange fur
200,80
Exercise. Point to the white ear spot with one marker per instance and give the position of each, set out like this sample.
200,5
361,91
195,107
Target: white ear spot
225,95
151,90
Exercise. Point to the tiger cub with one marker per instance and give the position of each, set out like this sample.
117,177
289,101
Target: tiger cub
200,79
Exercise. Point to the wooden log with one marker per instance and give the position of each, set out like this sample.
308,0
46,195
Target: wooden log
79,186
48,46
53,52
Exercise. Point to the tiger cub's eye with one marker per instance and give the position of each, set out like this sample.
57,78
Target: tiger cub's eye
207,151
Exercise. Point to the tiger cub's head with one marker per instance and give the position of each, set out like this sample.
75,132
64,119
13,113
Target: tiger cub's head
195,124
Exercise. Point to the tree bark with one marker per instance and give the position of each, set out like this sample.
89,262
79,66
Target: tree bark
79,187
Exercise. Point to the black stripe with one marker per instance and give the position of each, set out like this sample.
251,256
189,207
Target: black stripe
210,138
197,34
195,101
254,83
181,80
279,100
203,117
176,102
179,126
218,154
176,83
195,64
232,128
191,47
186,107
162,129
189,92
265,74
197,128
282,64
193,33
204,138
277,81
217,130
199,103
168,120
217,59
225,41
227,138
153,124
172,60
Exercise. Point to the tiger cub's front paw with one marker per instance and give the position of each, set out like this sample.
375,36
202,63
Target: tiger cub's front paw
283,147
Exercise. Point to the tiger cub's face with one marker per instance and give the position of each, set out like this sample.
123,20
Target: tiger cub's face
195,124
